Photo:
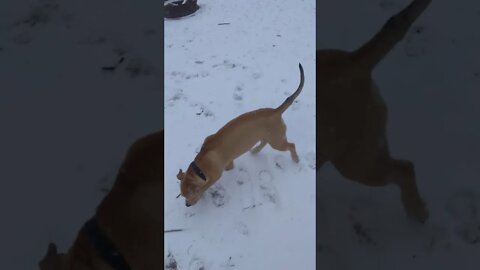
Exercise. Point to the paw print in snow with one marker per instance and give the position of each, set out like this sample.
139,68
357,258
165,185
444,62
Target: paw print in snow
217,193
196,264
266,186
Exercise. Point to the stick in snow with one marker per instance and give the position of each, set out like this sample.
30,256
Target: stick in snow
175,230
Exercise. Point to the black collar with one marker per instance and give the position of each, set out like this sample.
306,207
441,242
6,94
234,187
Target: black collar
197,170
104,247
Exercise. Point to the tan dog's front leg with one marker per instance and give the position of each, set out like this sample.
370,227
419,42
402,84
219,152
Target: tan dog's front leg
258,148
403,174
229,166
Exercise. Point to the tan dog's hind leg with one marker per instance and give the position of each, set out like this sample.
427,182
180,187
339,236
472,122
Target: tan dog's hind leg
282,144
403,175
278,139
258,148
229,166
383,171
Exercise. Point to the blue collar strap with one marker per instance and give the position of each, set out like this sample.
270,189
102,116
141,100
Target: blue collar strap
104,246
197,170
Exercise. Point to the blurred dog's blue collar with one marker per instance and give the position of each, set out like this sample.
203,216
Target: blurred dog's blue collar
197,170
104,246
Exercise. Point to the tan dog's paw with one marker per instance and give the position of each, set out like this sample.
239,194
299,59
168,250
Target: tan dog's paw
295,158
416,209
293,152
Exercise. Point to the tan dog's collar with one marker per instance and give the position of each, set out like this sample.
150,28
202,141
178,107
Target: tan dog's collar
104,246
197,170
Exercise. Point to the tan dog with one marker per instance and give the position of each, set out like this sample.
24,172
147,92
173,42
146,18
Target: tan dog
234,139
126,231
352,116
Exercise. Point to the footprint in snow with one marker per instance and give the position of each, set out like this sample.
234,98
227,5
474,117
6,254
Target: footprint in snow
170,262
242,228
137,66
362,214
267,189
40,14
464,207
256,75
217,194
438,238
226,64
243,180
176,97
242,176
280,162
177,74
296,105
237,93
363,234
196,264
204,74
192,76
229,263
203,110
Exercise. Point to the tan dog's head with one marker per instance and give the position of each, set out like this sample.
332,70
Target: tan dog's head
52,260
192,186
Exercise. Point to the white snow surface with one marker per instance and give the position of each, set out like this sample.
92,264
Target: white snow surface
261,214
430,82
65,123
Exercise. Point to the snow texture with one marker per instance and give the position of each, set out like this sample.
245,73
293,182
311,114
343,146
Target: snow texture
66,117
228,58
431,84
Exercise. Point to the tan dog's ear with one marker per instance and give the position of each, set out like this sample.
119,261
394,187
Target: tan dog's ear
52,260
180,175
52,250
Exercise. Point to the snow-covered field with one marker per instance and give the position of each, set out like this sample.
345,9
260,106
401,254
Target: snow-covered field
228,58
430,82
65,122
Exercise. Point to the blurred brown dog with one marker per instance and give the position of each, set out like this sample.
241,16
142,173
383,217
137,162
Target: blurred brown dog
232,140
125,232
352,116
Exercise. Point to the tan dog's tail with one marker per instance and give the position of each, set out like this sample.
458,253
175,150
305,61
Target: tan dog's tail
291,98
370,54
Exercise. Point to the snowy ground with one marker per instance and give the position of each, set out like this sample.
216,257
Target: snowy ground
228,58
431,84
65,122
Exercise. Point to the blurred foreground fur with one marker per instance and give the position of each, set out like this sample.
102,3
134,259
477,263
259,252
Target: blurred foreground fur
130,217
